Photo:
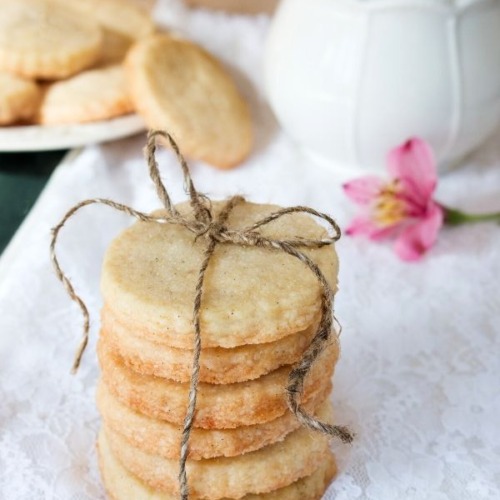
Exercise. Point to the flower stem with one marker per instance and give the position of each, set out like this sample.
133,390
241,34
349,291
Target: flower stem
454,217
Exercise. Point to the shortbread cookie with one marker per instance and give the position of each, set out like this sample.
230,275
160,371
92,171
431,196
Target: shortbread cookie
217,365
121,22
114,47
268,469
159,437
96,94
251,295
119,16
177,86
218,406
19,98
41,40
120,484
238,6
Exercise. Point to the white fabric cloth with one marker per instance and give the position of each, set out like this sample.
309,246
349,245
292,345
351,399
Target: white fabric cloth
419,377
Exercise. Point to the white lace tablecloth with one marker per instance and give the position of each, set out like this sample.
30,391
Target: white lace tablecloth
419,377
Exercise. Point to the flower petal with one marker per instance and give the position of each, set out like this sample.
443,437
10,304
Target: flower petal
365,226
413,163
415,240
363,190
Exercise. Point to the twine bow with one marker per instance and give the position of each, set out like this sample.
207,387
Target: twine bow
215,231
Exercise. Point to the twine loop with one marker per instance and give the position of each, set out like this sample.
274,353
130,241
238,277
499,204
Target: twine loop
214,230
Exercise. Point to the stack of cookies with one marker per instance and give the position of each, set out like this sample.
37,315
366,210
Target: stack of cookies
259,313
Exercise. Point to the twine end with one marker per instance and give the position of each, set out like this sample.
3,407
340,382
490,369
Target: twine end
345,435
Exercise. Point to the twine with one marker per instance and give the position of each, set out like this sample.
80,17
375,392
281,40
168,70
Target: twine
215,231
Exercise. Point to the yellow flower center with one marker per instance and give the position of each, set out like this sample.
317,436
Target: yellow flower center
389,208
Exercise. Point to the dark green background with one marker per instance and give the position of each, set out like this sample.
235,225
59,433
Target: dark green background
22,178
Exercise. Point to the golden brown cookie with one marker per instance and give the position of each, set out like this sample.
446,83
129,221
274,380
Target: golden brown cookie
118,16
93,95
114,47
120,484
239,6
276,466
179,87
19,98
41,40
159,437
251,295
121,22
217,365
218,406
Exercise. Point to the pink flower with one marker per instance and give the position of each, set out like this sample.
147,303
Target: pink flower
402,208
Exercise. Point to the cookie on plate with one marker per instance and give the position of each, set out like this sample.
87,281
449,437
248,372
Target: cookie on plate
39,39
114,47
120,484
240,6
121,22
93,95
19,98
118,16
178,86
262,471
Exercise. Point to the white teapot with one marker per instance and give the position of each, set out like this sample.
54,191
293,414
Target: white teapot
351,79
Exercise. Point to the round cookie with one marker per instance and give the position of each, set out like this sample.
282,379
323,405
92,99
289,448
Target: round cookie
120,484
218,406
179,87
262,471
159,437
19,98
119,16
217,365
251,295
121,23
114,47
95,94
41,40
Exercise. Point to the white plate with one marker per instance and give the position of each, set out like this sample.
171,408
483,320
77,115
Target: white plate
44,138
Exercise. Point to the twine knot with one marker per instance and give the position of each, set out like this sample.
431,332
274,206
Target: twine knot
215,231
